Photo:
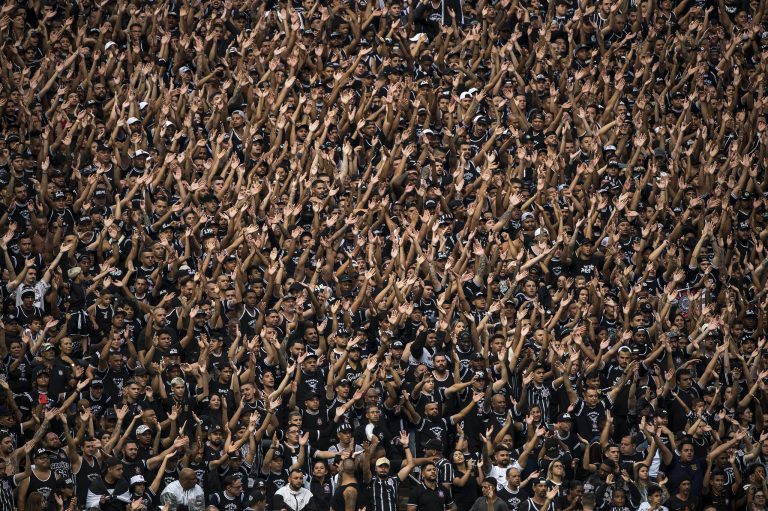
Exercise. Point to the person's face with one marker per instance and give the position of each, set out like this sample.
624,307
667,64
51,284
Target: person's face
431,410
502,458
7,445
513,477
626,446
296,480
236,488
686,453
430,473
188,480
132,391
145,438
130,451
591,397
497,404
313,403
319,469
382,470
91,447
268,380
718,482
42,380
292,435
42,462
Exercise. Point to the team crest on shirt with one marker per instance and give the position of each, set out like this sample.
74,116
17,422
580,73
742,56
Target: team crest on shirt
694,467
440,493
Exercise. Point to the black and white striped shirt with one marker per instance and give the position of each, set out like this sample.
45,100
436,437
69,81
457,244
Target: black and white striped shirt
445,473
7,485
384,493
541,396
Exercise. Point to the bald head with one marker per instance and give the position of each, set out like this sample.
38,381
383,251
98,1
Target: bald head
348,466
187,478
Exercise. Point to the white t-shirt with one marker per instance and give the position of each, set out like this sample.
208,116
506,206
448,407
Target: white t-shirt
176,495
40,288
647,507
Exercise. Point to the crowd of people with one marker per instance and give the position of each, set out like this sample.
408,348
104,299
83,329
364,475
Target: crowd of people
374,255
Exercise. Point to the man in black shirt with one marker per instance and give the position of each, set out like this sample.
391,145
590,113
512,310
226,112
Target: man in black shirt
683,500
232,498
429,496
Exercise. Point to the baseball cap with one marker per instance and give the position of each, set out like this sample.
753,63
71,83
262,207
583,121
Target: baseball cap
137,479
142,429
382,461
42,451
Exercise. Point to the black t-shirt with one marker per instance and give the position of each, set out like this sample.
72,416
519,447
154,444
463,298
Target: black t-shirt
675,503
113,381
429,499
225,502
513,499
588,417
275,481
586,267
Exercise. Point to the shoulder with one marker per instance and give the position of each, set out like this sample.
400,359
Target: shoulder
172,488
417,491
